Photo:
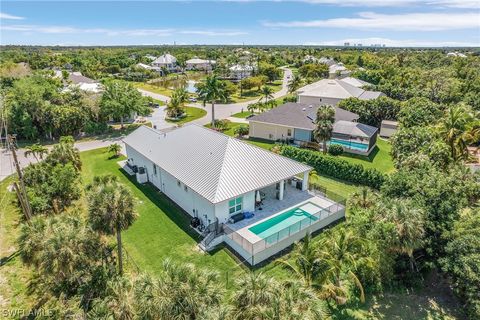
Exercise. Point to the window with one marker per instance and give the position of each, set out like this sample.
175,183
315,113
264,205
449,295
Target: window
154,169
289,132
235,205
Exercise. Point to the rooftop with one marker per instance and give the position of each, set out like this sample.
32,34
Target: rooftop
299,115
354,129
214,165
165,59
335,88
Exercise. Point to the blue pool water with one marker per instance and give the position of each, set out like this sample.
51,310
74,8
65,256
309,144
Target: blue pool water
287,222
350,144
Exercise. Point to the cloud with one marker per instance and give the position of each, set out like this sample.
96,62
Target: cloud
396,22
472,4
394,43
7,16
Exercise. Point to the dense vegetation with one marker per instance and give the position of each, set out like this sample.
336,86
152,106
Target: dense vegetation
422,217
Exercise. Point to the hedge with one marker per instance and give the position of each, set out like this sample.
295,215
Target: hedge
334,167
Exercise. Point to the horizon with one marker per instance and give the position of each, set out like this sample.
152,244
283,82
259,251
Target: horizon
312,23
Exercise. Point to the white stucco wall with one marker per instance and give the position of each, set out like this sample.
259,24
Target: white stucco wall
316,100
264,130
221,208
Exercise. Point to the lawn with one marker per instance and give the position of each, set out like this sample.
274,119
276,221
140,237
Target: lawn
155,89
241,115
192,114
379,159
254,94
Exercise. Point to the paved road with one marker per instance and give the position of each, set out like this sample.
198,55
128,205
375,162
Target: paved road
222,111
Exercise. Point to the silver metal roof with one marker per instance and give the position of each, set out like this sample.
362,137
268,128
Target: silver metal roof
214,165
339,89
354,129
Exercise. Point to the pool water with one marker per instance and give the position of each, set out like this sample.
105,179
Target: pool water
285,223
350,144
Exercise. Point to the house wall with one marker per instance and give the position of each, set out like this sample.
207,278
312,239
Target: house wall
303,135
387,130
316,101
221,208
269,131
188,199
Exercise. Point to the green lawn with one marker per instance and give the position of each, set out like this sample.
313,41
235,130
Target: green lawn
241,115
192,114
155,89
254,94
379,159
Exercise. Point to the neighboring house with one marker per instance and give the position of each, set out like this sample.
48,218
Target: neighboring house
356,82
199,64
76,79
295,122
456,54
388,128
239,71
338,71
150,57
238,193
332,91
327,61
165,61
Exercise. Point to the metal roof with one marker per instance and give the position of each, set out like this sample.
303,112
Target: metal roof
299,115
166,58
355,82
214,165
339,89
354,129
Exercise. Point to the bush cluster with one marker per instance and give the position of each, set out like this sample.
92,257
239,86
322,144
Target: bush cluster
336,168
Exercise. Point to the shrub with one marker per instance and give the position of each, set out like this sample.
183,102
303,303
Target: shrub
337,168
335,149
241,130
221,124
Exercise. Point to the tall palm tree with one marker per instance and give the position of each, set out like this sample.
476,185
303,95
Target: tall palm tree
111,209
36,150
213,91
408,222
267,93
65,152
118,303
324,125
455,129
294,83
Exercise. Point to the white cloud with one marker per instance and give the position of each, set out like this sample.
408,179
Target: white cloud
394,43
382,3
7,16
396,22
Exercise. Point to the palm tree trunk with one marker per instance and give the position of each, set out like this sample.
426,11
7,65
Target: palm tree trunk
324,146
121,122
119,248
213,114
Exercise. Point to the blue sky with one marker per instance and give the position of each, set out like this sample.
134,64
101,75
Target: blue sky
316,22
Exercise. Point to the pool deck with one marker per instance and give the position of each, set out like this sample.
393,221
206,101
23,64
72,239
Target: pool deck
272,207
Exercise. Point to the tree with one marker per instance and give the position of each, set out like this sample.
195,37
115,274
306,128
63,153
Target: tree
294,84
313,71
115,148
270,71
419,112
267,93
212,91
36,150
241,130
64,153
324,125
110,209
121,100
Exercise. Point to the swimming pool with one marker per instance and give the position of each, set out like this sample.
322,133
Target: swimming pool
286,223
350,144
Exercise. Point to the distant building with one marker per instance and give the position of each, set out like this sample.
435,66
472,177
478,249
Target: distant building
165,61
240,72
456,54
200,64
338,70
347,44
76,79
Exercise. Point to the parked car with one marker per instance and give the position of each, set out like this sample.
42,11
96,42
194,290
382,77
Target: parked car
192,99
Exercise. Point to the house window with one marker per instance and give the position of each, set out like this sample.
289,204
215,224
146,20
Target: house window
179,183
235,205
154,169
270,136
289,132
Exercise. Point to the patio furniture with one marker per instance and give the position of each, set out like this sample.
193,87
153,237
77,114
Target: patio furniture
237,217
248,215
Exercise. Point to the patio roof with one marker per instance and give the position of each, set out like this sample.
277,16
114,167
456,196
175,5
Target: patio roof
214,165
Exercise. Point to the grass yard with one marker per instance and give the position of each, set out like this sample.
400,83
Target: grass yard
241,115
379,159
192,114
254,94
155,89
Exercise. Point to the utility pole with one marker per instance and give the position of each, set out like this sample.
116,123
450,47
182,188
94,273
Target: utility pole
21,190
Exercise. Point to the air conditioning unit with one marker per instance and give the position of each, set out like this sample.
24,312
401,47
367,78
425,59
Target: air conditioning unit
142,175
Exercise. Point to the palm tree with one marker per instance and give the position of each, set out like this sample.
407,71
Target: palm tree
267,93
408,222
65,152
212,91
455,129
115,148
111,209
363,199
118,302
36,150
255,294
294,83
324,125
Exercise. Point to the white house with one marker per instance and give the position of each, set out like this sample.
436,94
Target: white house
232,185
241,71
338,71
199,64
332,91
166,61
76,79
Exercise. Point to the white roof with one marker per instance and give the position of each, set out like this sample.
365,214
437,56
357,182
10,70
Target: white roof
333,88
166,58
238,67
337,67
355,82
144,66
199,61
214,165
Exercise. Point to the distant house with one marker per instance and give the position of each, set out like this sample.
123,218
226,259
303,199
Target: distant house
356,82
456,54
327,61
165,61
240,72
388,128
83,83
295,122
150,57
338,71
199,64
332,91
